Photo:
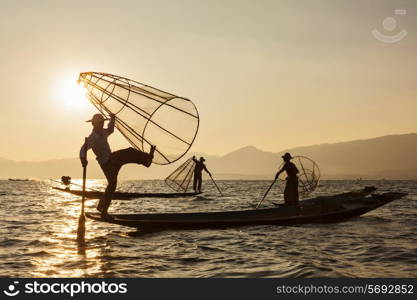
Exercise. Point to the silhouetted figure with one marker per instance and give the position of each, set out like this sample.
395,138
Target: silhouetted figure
110,162
291,186
66,180
198,176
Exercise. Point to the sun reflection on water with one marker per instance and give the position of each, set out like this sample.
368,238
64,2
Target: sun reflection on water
66,258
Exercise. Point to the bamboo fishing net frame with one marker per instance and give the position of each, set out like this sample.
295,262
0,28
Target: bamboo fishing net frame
308,176
180,179
102,87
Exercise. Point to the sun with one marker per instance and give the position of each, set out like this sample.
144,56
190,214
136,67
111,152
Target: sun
71,95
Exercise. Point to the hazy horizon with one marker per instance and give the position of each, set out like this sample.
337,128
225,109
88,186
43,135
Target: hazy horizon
233,150
274,75
390,157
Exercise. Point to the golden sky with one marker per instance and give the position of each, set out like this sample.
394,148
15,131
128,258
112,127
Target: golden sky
273,74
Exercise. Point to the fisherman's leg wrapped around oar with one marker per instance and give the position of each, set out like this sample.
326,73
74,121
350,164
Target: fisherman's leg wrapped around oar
131,156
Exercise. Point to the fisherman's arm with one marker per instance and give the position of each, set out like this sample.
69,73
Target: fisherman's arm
110,126
279,172
205,169
83,152
195,160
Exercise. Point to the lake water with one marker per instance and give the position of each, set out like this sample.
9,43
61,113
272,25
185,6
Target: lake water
38,227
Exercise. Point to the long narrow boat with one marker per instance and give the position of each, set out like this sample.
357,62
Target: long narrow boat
325,209
125,195
18,179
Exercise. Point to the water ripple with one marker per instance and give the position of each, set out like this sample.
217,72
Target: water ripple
38,229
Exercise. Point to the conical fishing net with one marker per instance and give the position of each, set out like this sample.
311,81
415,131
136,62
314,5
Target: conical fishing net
308,176
145,115
180,179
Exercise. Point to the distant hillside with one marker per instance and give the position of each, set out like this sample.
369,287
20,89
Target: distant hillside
389,157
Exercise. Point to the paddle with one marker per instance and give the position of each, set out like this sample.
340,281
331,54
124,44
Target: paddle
216,185
81,219
270,187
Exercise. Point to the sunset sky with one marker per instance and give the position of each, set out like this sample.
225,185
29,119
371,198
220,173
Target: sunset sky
273,74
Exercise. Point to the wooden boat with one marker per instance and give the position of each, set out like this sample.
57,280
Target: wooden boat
124,195
325,209
18,179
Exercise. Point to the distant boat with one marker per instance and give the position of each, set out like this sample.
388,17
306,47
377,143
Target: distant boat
18,179
124,195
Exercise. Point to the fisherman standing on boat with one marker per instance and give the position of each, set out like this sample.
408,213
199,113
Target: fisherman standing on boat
198,176
291,186
110,162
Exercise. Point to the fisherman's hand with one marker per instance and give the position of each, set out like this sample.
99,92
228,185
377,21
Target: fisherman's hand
112,116
84,163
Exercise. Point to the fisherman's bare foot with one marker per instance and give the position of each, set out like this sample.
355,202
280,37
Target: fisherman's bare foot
151,153
105,216
150,159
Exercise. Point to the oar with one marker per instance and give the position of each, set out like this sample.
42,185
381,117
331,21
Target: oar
270,187
81,219
216,186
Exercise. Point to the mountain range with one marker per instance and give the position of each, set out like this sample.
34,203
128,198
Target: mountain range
388,157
